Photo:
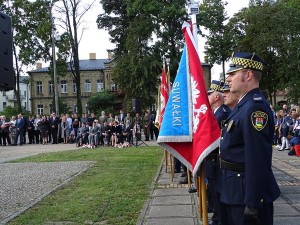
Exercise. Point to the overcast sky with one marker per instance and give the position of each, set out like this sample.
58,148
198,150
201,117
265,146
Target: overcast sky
97,41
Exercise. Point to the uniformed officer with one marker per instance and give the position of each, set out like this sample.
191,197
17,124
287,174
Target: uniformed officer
248,185
221,112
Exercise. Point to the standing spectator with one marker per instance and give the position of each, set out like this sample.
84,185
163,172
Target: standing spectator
83,119
5,124
37,129
92,118
75,124
129,118
151,125
110,119
285,129
20,125
30,129
247,183
13,129
137,119
64,127
45,124
117,119
146,125
54,124
136,130
25,129
102,118
69,128
121,117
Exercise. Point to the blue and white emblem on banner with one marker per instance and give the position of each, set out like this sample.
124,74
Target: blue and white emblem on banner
177,122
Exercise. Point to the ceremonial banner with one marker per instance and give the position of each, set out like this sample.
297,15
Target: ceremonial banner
177,124
189,130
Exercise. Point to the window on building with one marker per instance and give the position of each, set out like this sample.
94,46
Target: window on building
113,86
63,86
4,104
4,93
40,109
74,86
88,87
39,87
50,86
100,85
25,105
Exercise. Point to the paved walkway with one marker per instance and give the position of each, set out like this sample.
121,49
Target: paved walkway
169,203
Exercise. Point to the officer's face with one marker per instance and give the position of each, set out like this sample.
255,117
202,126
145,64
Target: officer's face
211,98
230,99
236,81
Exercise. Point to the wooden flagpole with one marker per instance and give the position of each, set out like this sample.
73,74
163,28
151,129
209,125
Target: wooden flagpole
199,197
203,194
189,177
166,161
172,166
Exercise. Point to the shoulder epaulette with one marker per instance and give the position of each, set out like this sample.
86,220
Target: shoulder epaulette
257,98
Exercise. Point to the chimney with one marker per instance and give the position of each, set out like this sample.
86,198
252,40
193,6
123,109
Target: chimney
110,55
38,65
92,56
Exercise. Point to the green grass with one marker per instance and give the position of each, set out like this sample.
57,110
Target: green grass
113,190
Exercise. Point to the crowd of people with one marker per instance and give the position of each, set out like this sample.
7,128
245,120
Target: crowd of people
287,128
121,130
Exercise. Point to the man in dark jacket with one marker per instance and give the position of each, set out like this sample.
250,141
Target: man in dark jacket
54,124
20,127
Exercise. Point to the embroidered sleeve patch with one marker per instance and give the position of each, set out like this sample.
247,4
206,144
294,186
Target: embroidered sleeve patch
259,120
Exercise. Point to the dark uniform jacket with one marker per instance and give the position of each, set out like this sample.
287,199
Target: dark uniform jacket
247,140
212,169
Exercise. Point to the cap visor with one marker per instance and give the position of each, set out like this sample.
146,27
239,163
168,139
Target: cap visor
234,69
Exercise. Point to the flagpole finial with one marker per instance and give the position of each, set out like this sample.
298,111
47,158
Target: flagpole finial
163,58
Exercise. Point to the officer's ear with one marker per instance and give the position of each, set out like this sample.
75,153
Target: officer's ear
248,74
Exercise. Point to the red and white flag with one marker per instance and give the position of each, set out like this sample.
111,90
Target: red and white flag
164,95
188,109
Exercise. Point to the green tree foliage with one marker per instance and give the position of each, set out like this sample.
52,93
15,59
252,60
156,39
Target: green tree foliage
219,38
32,26
10,111
102,101
132,25
271,30
28,19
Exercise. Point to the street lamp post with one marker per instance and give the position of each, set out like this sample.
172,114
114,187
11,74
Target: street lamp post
54,61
